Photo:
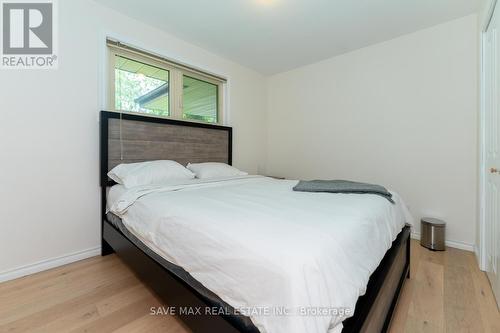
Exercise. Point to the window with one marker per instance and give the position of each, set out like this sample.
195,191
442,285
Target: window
140,87
200,100
144,83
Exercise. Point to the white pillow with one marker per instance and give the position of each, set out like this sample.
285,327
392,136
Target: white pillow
146,173
214,170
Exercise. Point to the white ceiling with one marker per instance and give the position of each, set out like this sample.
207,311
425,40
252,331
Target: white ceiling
273,36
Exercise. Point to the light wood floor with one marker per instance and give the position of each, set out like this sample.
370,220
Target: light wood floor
446,293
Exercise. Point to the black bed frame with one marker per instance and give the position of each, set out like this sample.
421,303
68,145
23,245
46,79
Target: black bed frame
175,292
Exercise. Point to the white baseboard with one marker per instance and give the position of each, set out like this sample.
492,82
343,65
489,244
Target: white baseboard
450,243
48,264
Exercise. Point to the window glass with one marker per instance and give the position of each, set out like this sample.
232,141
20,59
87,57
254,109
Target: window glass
200,100
141,87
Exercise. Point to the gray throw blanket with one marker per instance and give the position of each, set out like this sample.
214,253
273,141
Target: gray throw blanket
342,186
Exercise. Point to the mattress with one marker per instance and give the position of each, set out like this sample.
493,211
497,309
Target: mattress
256,244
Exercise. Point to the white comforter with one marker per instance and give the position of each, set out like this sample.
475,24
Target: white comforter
277,255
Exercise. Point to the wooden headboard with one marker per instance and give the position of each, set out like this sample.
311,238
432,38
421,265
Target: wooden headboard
129,138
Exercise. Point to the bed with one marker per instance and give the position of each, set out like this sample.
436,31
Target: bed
267,259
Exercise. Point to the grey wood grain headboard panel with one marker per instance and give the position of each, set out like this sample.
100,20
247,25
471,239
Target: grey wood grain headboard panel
146,138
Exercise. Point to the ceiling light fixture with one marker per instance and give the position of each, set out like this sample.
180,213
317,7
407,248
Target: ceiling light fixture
265,2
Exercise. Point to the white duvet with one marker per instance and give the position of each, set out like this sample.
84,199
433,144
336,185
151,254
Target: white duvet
291,261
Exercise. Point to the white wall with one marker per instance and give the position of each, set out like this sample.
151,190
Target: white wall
483,12
402,113
49,189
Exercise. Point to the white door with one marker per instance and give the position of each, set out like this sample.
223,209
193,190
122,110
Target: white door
491,63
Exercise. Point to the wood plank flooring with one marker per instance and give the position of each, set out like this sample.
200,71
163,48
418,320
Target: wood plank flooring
446,293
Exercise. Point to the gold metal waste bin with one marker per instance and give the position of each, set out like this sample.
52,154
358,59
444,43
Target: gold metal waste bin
433,233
